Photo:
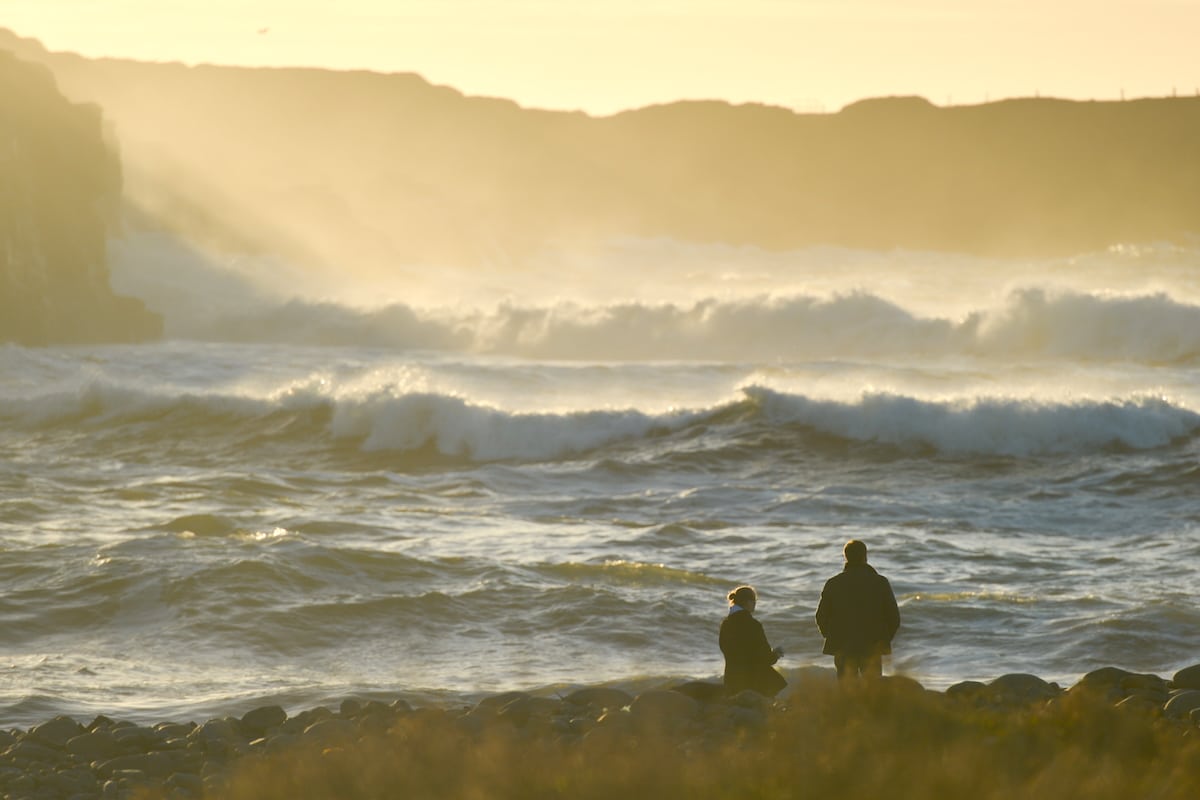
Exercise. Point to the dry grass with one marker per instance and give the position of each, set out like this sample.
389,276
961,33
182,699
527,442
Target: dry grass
893,742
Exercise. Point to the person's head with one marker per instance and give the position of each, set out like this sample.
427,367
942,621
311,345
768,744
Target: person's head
855,552
744,596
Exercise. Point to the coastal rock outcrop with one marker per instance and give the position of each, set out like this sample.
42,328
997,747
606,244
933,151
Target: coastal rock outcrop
60,184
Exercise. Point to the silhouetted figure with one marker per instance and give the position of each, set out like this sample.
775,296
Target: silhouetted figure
858,616
748,656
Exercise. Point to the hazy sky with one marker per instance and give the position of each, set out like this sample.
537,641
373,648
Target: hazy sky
606,55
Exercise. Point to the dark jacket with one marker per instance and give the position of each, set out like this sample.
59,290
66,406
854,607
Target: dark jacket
857,614
748,657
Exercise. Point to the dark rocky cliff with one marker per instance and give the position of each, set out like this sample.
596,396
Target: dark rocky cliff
59,185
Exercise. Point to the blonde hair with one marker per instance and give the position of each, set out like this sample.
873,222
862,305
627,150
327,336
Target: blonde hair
743,596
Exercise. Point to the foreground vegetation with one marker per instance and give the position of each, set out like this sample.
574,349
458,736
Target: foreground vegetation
893,740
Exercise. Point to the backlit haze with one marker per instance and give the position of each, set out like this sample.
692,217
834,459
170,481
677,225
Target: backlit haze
603,57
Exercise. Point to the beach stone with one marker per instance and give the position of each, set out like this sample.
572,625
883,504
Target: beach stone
263,719
331,730
101,722
69,782
156,764
277,743
600,698
903,683
57,731
752,700
1141,702
137,737
967,690
1105,676
499,701
520,711
1118,683
30,750
614,730
375,714
224,729
663,708
186,783
1182,704
1145,682
1187,678
95,746
305,719
1022,688
701,691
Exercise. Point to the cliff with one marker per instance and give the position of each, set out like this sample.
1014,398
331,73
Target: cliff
58,186
379,170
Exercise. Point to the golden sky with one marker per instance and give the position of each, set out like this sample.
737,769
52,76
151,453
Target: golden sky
606,55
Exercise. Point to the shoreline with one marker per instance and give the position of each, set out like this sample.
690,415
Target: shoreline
110,758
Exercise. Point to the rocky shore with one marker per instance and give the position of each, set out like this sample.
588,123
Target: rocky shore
107,758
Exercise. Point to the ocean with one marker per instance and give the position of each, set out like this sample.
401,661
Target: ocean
548,473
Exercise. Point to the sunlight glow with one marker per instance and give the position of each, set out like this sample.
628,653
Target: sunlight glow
608,56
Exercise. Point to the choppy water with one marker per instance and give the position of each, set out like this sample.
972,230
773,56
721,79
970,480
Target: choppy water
295,499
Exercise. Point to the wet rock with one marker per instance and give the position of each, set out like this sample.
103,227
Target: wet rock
137,737
57,731
1187,678
600,698
186,783
30,750
906,685
499,701
70,782
263,719
174,730
95,746
701,691
101,722
1116,683
1182,704
225,729
331,731
305,719
277,743
1022,688
159,765
752,700
1144,703
520,711
967,690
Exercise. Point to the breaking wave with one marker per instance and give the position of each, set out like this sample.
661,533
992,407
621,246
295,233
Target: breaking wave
392,419
1032,323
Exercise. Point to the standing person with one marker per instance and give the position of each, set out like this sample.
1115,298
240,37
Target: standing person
858,616
748,656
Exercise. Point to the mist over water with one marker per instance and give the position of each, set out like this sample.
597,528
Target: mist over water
551,473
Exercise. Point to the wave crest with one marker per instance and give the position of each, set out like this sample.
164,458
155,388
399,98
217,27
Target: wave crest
987,426
1031,323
